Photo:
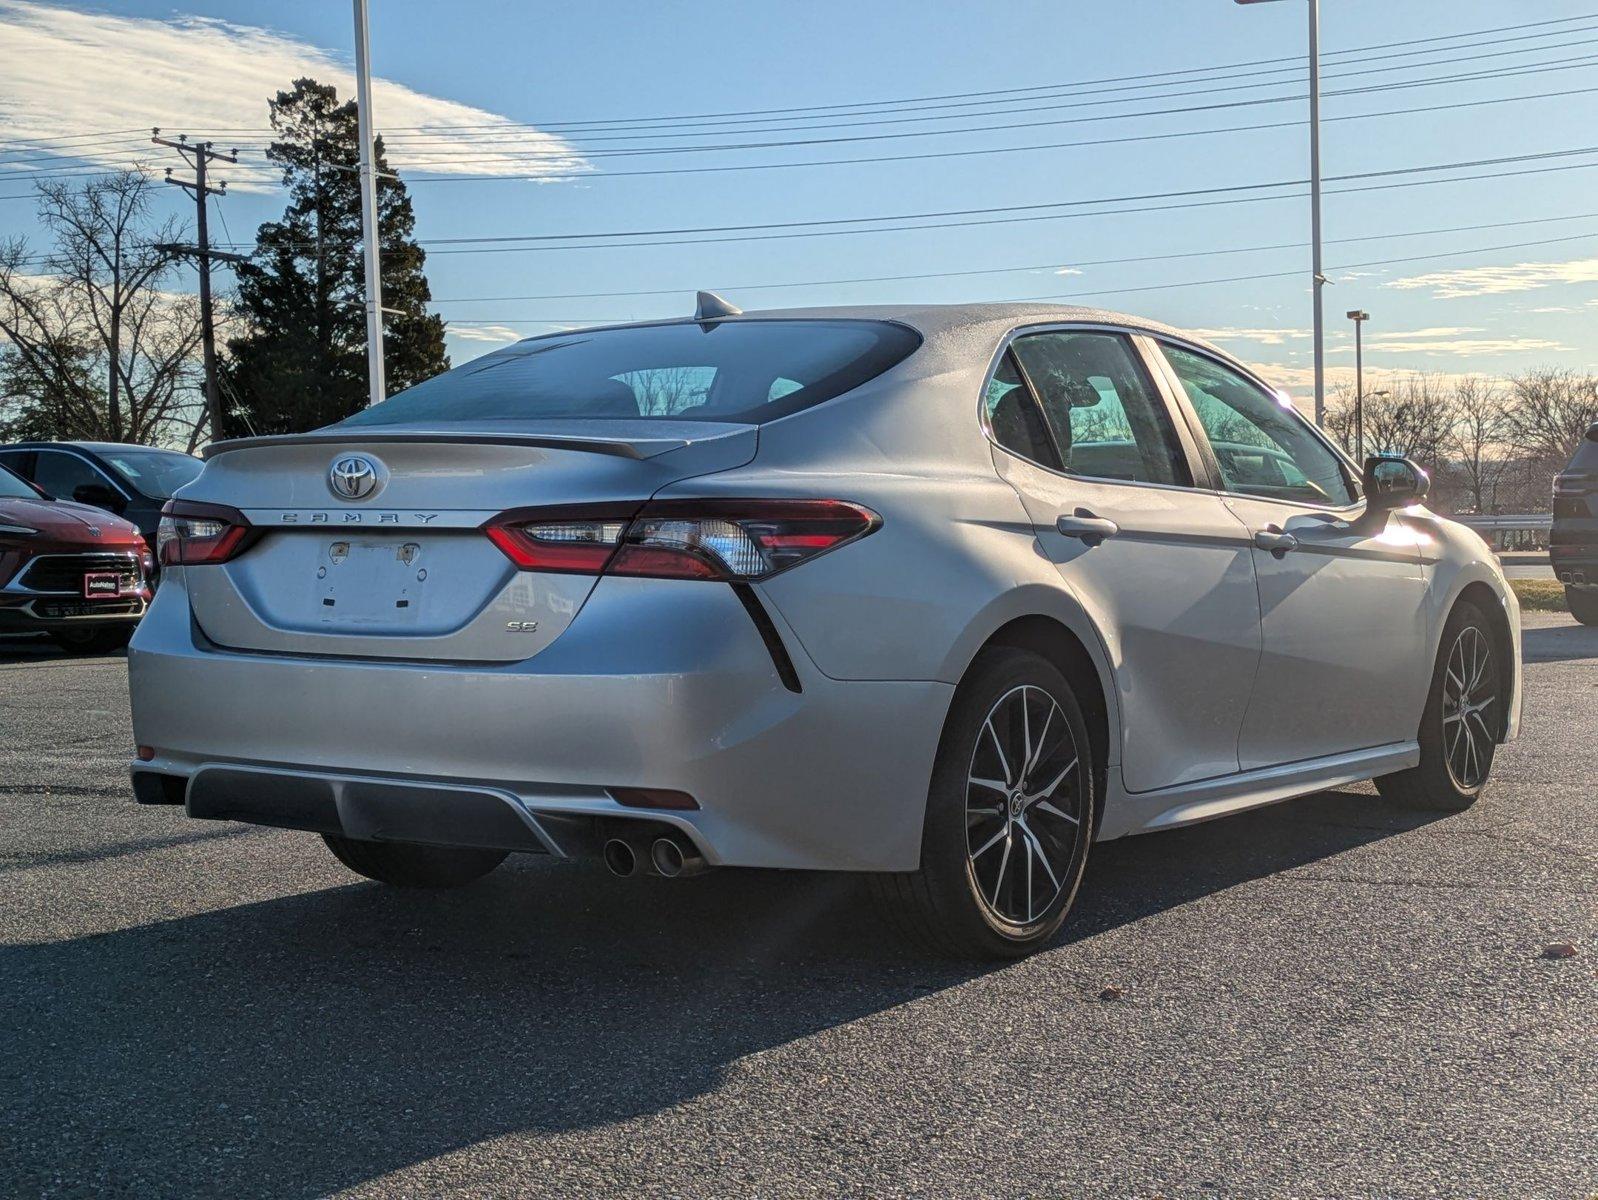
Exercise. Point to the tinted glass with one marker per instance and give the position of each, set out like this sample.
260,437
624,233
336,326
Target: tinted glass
1104,414
747,370
13,487
1014,418
1263,447
60,474
157,473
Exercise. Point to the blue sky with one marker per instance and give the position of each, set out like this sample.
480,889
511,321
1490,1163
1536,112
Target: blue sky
76,69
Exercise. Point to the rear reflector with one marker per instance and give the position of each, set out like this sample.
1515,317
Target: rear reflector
731,540
653,798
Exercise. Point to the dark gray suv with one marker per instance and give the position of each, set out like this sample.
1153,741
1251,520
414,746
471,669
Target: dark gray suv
131,481
1573,546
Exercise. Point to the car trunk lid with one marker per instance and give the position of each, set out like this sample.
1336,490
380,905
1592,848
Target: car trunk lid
403,570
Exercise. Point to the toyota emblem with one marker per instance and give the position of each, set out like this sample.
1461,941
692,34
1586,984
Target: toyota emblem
356,477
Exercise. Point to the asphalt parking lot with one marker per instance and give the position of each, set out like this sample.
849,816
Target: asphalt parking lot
1328,997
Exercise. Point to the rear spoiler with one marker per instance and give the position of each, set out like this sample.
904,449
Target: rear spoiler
673,435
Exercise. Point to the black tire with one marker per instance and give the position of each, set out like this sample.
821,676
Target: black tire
405,864
946,905
1453,773
99,639
1583,604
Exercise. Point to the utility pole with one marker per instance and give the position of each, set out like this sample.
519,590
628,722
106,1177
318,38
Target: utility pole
1317,275
197,155
1359,318
374,274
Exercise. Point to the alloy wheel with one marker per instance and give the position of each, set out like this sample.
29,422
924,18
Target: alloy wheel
1468,695
1023,806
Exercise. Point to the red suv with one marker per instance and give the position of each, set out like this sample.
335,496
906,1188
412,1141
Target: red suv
74,572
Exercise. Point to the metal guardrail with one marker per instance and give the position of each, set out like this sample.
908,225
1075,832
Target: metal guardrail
1540,522
1512,531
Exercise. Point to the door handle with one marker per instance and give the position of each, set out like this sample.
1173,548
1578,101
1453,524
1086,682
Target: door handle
1082,524
1273,539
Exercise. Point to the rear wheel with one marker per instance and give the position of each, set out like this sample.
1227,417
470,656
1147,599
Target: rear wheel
99,639
1459,729
1010,815
1583,604
405,864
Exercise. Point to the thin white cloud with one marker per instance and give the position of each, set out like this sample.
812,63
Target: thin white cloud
1455,347
484,333
1067,271
1495,281
1264,337
68,72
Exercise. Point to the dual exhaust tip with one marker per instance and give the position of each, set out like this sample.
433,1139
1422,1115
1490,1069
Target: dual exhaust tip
670,855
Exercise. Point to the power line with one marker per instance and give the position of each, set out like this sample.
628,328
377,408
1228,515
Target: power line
1013,208
992,150
1229,70
1126,291
454,178
1218,68
1098,262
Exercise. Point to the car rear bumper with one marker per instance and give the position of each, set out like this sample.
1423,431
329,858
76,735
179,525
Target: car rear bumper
656,684
1575,563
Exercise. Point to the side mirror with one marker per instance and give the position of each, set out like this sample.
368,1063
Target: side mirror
100,496
1392,481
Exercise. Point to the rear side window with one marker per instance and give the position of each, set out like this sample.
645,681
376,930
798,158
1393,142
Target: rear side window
1103,414
737,370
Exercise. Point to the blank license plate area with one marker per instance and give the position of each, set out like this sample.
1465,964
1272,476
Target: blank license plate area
373,582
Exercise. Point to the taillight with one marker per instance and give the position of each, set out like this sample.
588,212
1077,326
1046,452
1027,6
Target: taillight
729,540
191,533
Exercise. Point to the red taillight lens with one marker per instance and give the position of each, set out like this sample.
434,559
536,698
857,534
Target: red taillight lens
191,533
732,540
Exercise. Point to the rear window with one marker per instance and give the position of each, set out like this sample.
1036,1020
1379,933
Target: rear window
742,370
156,473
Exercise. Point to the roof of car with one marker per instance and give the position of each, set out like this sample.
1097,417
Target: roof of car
942,318
93,447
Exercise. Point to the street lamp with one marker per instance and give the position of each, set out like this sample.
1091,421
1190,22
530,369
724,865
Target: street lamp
1318,280
1359,318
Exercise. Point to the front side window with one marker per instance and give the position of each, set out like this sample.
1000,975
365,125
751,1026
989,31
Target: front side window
1103,413
14,487
734,370
1261,444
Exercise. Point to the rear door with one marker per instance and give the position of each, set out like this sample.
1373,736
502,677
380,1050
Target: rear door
1164,568
1342,598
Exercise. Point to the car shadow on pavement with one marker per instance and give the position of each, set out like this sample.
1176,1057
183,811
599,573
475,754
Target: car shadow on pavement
33,648
312,1042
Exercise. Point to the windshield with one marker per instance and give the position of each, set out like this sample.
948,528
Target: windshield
156,473
741,370
14,487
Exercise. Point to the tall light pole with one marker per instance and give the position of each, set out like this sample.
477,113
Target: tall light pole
368,176
1317,277
1359,318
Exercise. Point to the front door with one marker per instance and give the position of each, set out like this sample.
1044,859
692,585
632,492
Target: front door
1342,597
1164,568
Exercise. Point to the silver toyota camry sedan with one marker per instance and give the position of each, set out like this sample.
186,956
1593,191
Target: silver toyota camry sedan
941,594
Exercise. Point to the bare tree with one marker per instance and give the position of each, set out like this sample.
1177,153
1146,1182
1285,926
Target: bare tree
1551,411
1413,418
1478,440
97,349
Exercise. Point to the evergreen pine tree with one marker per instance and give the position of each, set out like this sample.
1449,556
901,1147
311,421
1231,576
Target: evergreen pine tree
300,360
